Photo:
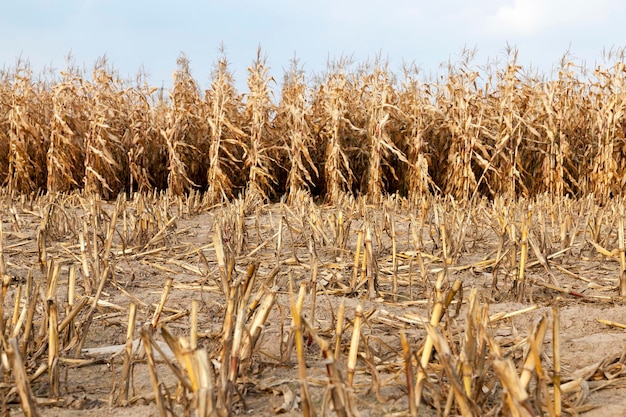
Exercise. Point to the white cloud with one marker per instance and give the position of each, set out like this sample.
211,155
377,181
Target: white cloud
533,17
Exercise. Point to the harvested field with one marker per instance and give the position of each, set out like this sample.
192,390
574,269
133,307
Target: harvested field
253,308
364,245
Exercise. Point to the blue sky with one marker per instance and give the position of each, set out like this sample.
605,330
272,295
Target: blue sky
152,33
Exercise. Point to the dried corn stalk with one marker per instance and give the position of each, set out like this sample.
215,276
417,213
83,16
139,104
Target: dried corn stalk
261,148
293,117
224,147
105,156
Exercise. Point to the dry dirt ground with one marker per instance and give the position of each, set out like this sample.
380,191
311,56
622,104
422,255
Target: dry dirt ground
283,237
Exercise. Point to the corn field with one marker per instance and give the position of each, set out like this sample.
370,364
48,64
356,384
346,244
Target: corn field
359,243
476,131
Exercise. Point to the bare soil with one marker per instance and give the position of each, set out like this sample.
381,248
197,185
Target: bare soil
269,383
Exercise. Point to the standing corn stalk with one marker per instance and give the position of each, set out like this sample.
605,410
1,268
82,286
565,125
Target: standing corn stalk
65,156
419,116
504,129
608,113
258,113
460,103
379,98
186,128
332,101
5,105
560,109
104,153
292,114
27,133
143,140
224,135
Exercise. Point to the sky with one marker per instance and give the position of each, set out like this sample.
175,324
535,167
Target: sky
150,35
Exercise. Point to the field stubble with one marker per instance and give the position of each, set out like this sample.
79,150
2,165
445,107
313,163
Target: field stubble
492,308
